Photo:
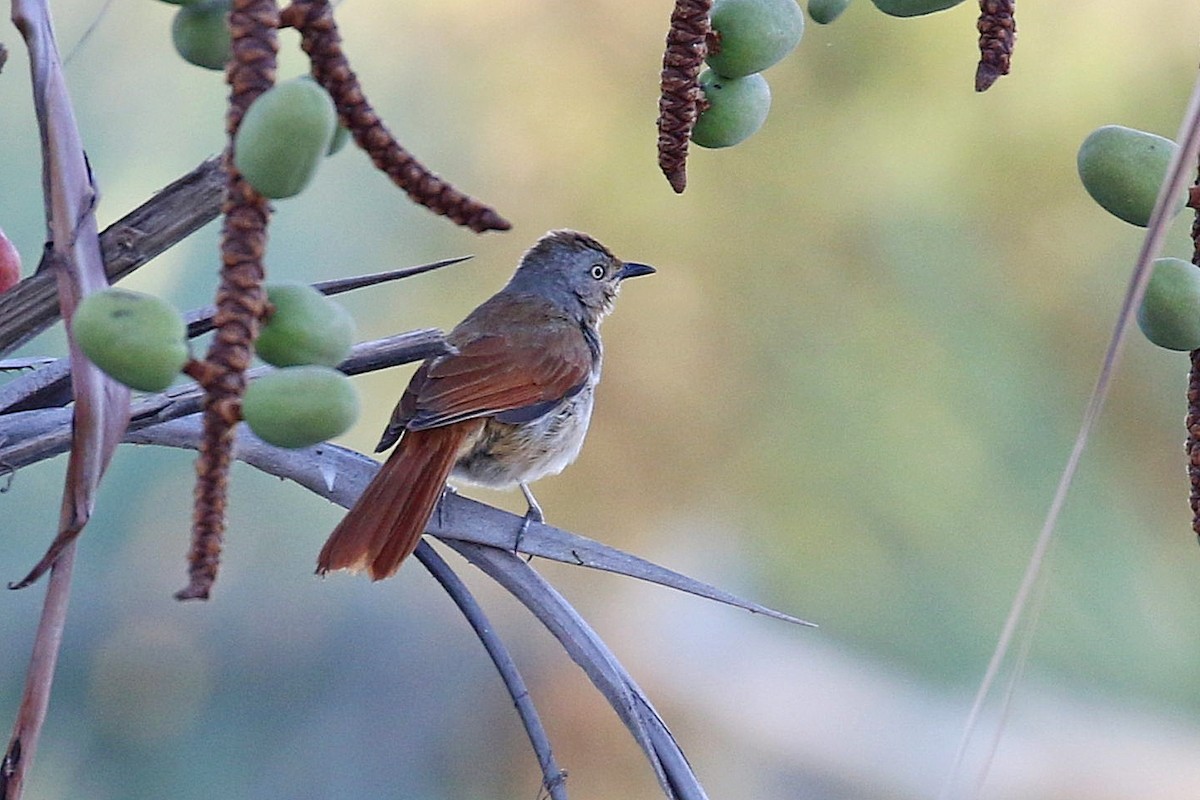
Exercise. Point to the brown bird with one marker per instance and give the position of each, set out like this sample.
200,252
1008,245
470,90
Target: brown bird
509,406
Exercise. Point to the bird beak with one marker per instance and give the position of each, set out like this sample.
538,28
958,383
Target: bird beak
632,269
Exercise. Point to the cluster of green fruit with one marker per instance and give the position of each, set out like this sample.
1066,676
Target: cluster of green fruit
141,341
287,130
752,35
1123,169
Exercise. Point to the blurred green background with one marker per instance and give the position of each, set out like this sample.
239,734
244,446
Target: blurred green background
848,394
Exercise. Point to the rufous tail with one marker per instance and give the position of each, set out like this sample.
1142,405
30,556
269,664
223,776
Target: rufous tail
387,520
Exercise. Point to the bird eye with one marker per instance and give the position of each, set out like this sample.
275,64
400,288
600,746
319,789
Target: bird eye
597,271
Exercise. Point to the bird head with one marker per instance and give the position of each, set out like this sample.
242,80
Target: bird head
575,272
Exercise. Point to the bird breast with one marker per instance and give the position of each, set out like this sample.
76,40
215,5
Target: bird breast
506,454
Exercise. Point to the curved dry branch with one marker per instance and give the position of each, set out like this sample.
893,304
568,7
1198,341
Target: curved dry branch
339,474
586,649
553,779
484,536
481,533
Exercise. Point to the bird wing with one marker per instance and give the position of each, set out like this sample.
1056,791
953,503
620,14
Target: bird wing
516,376
493,374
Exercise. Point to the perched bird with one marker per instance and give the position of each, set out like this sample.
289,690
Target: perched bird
510,405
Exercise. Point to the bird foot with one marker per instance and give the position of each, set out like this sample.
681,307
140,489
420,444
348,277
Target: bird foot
534,514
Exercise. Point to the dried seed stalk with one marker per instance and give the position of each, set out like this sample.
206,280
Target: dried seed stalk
321,40
1192,446
997,34
1192,420
681,100
240,297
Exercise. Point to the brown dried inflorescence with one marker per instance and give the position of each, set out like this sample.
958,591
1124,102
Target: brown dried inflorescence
688,42
1192,445
997,34
330,67
1192,421
241,300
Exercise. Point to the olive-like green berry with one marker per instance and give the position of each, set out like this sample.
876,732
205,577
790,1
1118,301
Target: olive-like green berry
201,34
1170,311
340,137
341,134
1122,169
284,136
913,8
737,109
824,12
137,339
304,327
753,34
300,406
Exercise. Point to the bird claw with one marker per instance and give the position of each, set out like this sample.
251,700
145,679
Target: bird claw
441,503
533,514
521,533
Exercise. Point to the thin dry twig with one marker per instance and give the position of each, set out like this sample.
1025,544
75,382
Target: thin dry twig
997,27
39,677
1025,599
241,300
681,101
330,67
201,321
101,407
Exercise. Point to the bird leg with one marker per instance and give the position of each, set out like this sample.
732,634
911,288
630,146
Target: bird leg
533,514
